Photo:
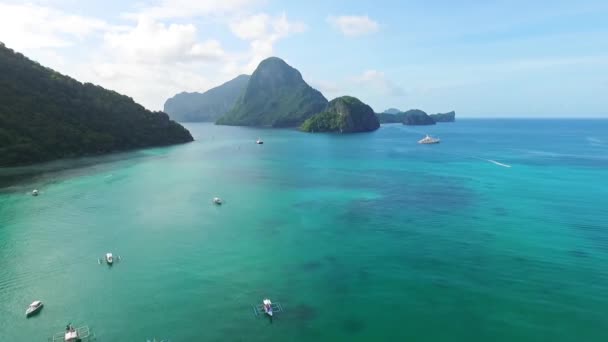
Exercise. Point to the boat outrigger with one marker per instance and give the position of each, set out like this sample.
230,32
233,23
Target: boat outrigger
267,307
34,308
108,259
71,334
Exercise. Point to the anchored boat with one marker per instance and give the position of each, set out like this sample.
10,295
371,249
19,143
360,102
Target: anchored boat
108,259
428,140
34,308
71,334
267,307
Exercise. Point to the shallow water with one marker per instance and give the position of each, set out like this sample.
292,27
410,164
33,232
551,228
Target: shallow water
498,233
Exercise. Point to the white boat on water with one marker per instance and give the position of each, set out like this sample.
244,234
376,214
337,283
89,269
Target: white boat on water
35,192
109,259
34,308
218,201
428,140
71,334
267,306
259,141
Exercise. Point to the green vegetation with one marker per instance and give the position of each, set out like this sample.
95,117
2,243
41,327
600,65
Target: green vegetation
276,96
416,117
207,106
45,115
444,117
389,118
344,114
412,117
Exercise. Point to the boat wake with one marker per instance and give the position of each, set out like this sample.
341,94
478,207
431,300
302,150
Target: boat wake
497,163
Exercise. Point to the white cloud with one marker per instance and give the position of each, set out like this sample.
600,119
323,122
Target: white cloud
157,53
191,8
353,26
263,31
377,81
153,42
31,26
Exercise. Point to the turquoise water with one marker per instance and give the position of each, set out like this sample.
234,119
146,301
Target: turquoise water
360,237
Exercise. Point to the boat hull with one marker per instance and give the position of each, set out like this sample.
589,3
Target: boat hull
31,312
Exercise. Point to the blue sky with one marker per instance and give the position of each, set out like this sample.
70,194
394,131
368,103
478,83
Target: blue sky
480,58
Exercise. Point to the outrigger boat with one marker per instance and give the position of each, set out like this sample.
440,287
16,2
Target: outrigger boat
109,259
267,307
34,308
71,334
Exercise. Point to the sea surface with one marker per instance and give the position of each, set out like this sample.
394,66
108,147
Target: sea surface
499,233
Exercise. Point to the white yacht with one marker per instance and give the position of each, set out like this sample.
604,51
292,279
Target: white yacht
428,140
259,141
33,308
35,192
218,201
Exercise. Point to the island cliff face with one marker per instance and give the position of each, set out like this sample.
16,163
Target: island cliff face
207,106
277,96
444,117
45,115
344,114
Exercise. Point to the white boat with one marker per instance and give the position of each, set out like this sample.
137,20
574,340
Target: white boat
267,306
35,192
218,201
71,334
34,308
428,140
259,141
109,258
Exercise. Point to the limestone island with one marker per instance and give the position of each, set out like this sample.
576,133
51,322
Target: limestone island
344,114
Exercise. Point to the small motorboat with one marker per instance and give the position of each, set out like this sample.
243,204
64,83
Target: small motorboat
428,140
109,258
35,192
267,306
218,201
34,308
259,141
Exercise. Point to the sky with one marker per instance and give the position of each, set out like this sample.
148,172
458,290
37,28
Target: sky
479,58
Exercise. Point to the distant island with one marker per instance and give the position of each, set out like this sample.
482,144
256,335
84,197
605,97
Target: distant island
45,115
392,111
444,117
417,117
414,117
275,96
344,114
207,106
